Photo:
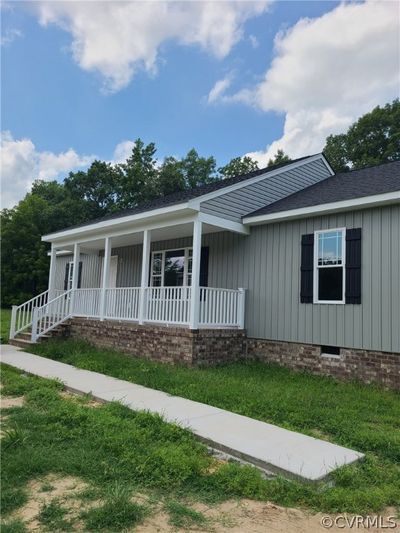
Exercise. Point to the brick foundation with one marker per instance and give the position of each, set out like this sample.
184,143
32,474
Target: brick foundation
368,366
161,343
207,347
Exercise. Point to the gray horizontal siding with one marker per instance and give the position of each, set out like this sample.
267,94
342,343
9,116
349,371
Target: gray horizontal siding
236,204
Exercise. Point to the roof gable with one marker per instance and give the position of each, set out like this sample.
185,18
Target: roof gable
212,189
360,183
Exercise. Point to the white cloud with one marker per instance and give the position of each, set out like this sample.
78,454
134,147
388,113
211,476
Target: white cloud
22,163
122,151
254,41
217,93
9,35
116,39
327,72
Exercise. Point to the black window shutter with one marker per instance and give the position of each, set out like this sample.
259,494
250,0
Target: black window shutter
205,250
307,268
79,274
353,266
66,277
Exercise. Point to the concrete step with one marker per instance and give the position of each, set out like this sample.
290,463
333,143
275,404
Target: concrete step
25,335
21,343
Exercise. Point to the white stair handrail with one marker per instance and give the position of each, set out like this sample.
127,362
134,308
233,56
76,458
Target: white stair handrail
51,314
21,315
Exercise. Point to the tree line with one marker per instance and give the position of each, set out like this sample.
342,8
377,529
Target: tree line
106,188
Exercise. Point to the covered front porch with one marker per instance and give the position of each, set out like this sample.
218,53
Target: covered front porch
173,286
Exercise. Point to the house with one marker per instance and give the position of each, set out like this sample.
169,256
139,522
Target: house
291,264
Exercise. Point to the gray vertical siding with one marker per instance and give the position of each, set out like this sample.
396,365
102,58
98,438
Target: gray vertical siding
233,205
91,270
267,264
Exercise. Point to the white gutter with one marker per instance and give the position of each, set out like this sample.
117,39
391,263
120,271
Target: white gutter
332,207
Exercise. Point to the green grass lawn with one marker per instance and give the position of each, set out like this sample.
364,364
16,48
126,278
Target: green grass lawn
5,318
133,464
362,417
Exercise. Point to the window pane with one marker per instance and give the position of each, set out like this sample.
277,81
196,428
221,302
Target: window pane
157,263
174,268
330,248
156,281
330,283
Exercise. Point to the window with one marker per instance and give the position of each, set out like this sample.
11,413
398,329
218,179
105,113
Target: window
171,268
157,269
329,265
70,275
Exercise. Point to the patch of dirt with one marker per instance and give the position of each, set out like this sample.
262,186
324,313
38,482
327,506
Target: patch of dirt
43,491
248,516
233,516
11,401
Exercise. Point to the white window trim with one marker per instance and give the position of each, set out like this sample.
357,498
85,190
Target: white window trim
70,269
163,252
343,265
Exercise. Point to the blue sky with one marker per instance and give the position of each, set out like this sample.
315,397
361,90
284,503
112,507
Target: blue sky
70,93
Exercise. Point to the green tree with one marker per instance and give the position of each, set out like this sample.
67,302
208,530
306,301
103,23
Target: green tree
138,176
198,170
96,189
238,166
279,158
170,177
373,139
24,257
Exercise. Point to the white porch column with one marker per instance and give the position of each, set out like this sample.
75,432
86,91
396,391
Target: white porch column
105,277
145,275
52,271
75,273
195,291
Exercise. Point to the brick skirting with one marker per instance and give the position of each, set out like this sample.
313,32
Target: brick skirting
368,366
207,347
203,347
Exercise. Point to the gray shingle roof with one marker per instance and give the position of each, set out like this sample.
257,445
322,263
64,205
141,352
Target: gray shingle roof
344,186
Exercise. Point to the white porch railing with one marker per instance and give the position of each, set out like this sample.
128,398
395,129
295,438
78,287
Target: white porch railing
122,303
221,307
21,315
162,305
51,314
86,302
170,305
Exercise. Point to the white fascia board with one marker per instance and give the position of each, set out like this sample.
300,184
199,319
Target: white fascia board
61,252
230,225
328,166
108,225
325,209
125,230
195,203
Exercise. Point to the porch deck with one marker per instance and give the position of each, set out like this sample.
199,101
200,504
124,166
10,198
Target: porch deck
163,305
217,308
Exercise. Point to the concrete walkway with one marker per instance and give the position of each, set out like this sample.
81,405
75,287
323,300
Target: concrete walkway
267,446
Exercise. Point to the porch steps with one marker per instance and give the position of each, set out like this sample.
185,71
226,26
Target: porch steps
266,446
23,339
